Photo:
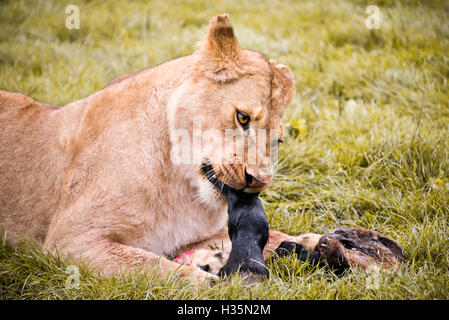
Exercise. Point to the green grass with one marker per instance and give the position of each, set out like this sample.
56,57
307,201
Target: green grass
367,141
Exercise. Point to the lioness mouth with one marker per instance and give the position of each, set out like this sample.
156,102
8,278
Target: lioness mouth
211,176
209,172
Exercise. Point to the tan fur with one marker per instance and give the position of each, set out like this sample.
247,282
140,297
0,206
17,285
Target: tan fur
94,180
213,259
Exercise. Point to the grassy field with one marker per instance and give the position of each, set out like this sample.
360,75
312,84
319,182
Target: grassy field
368,132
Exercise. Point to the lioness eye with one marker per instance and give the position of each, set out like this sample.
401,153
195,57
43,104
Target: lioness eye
243,118
276,143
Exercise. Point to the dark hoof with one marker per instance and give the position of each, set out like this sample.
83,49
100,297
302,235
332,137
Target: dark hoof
288,247
250,278
256,270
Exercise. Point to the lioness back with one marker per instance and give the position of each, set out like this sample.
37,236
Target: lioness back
28,145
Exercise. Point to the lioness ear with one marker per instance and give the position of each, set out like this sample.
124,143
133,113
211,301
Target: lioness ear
220,51
287,81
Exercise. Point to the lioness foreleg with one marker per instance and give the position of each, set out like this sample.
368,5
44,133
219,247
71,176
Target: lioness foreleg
107,258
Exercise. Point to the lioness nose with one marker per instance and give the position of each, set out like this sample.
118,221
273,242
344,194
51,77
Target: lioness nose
256,183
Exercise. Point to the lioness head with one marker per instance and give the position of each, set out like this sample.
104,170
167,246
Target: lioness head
226,120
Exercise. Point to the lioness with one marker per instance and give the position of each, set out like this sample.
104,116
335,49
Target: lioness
95,182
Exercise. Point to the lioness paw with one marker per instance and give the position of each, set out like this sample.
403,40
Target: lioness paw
201,277
210,261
